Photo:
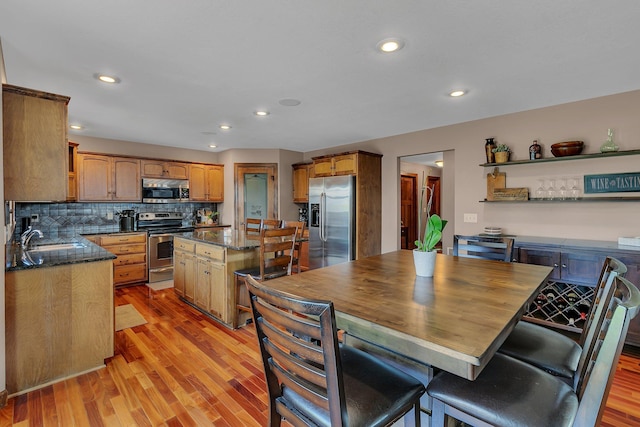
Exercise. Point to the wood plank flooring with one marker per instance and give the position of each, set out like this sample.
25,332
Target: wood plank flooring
183,369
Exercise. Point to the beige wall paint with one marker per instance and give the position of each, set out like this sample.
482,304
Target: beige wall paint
583,120
127,148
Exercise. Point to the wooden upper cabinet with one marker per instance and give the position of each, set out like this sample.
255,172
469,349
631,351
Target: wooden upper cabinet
301,174
206,182
163,169
72,192
35,145
341,164
106,178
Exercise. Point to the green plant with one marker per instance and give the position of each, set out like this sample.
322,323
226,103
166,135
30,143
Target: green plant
500,147
434,226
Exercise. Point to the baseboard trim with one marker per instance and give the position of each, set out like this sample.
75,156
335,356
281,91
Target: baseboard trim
4,396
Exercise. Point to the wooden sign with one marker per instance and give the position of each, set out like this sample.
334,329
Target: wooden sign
511,194
495,180
612,183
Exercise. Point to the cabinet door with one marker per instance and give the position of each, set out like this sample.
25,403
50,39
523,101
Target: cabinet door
542,257
177,170
190,275
94,178
323,167
127,185
215,183
218,302
203,284
35,145
345,164
178,273
197,182
153,169
301,184
581,268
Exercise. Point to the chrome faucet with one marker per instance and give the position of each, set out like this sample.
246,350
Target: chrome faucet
26,236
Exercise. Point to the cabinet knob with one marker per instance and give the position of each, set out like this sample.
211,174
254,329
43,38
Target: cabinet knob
555,265
564,265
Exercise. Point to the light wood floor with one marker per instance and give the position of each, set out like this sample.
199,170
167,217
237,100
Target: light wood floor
183,369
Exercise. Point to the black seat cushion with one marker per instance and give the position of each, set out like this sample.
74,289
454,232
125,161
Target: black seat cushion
509,392
544,348
270,273
374,391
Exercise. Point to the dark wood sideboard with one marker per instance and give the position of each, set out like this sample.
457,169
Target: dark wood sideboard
569,290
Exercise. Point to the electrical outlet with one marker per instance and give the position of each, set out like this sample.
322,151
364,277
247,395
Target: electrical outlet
109,215
35,218
470,217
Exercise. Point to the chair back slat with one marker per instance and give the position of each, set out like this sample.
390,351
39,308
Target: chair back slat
276,251
604,356
598,313
299,346
252,227
300,225
485,247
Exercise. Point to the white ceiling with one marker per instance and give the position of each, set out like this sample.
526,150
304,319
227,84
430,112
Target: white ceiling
188,66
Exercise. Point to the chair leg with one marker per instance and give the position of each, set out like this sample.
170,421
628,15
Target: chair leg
438,417
416,409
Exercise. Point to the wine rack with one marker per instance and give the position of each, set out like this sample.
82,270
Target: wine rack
562,305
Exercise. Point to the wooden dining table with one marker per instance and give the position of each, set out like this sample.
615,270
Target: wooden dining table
454,321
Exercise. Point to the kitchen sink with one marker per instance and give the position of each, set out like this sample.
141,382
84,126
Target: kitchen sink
57,247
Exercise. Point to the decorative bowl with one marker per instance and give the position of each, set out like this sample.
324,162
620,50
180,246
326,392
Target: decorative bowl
569,148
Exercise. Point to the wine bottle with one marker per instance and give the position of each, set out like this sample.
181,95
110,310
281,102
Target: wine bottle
488,148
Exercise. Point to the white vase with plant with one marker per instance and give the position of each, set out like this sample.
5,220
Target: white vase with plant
424,255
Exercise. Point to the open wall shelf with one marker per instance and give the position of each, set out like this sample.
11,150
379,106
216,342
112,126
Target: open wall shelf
559,159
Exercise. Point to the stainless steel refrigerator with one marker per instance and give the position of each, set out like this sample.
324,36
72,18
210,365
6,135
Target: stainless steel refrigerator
331,220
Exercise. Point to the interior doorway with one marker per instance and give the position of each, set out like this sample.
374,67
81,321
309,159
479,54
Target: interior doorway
408,210
256,191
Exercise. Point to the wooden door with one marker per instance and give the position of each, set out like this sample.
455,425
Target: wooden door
408,210
127,185
203,284
197,182
243,169
301,183
215,183
218,293
94,178
434,183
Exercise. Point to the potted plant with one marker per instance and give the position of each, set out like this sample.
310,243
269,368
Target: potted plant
501,153
424,255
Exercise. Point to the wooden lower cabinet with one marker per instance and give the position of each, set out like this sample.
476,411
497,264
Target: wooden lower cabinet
203,276
130,266
59,322
568,293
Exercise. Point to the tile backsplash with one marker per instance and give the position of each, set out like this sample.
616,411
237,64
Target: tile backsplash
70,219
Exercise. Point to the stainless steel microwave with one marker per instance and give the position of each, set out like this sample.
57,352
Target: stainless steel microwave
165,190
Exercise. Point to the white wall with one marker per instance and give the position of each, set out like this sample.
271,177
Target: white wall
584,120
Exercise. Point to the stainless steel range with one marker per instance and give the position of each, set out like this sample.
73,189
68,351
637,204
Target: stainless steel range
160,227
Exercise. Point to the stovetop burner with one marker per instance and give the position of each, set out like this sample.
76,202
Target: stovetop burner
162,222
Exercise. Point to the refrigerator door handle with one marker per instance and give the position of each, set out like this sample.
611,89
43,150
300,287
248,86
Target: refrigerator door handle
323,207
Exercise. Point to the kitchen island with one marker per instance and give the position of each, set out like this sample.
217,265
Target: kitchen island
204,266
59,312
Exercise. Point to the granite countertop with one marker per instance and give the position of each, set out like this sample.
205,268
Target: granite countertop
226,237
86,251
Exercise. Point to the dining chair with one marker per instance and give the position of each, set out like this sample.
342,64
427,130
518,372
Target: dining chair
252,227
313,379
555,352
300,227
271,223
485,247
515,393
276,257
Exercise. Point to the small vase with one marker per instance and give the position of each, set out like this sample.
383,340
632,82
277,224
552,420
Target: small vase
424,262
502,156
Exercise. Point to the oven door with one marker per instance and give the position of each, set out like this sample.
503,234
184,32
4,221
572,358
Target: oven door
160,253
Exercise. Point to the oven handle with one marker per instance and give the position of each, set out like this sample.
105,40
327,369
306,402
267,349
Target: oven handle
161,235
160,270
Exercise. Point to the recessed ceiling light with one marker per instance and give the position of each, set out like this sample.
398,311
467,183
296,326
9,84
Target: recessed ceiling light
261,113
107,79
225,127
457,93
289,102
390,45
212,145
76,127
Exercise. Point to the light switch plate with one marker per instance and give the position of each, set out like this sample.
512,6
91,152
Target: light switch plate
470,217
